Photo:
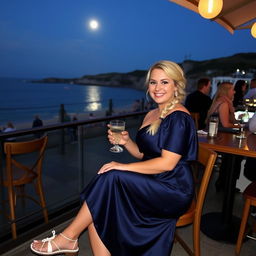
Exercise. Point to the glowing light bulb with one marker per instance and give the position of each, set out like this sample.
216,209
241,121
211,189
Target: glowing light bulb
253,30
210,8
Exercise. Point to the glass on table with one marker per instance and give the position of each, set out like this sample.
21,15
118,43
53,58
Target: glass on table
241,134
213,125
116,127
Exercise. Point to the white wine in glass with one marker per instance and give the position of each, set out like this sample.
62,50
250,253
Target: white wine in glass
116,127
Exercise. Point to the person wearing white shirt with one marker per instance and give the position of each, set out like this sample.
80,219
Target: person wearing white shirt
252,123
251,94
249,167
10,128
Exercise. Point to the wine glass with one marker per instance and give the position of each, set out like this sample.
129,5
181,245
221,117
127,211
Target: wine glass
116,127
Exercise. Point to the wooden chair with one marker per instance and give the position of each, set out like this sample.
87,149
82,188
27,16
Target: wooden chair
206,158
18,174
195,116
250,200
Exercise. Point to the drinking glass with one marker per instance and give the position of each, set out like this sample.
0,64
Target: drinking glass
242,133
116,127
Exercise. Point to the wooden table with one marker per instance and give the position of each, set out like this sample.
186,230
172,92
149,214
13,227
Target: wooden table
223,226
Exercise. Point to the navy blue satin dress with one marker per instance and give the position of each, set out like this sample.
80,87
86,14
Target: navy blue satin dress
135,214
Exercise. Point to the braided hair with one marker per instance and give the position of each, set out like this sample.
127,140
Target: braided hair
173,71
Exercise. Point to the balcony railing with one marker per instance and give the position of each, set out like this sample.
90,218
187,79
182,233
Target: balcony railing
75,151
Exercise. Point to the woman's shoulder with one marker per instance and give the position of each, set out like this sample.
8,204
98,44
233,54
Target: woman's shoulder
178,120
223,105
219,103
177,116
151,114
180,110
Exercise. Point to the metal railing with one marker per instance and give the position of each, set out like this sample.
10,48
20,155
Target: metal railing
68,166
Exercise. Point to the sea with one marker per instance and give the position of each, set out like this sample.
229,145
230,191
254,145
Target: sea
22,99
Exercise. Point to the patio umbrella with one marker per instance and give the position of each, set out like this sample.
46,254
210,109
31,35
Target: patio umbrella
235,15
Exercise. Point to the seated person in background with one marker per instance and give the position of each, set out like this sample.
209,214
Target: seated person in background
252,123
199,101
222,105
10,128
37,122
249,167
240,88
251,94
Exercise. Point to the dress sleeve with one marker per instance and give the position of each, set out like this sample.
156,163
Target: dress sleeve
252,123
178,135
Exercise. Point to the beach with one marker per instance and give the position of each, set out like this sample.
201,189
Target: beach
21,100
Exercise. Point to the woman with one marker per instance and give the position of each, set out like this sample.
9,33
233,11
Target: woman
132,209
10,128
240,88
222,106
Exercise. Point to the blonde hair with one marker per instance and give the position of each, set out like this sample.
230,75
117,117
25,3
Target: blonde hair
175,72
222,90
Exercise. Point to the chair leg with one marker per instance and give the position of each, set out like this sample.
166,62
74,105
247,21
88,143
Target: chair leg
11,196
39,188
254,225
242,226
196,238
183,244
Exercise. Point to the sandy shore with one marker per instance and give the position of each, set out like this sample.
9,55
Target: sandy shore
80,116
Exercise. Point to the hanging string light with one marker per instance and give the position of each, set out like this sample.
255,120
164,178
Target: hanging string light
210,8
253,30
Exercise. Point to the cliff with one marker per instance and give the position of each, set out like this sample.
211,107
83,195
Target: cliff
225,66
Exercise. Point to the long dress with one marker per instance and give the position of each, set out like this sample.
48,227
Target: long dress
135,214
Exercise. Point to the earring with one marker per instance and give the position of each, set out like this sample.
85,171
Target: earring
175,94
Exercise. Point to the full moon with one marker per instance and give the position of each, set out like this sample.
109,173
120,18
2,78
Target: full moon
94,24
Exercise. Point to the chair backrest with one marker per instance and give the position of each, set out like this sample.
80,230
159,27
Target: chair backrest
195,116
207,158
13,149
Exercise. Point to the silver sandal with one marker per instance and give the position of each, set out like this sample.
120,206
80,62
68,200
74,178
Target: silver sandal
49,241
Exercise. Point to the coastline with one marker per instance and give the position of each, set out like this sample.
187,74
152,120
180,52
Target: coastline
80,116
45,100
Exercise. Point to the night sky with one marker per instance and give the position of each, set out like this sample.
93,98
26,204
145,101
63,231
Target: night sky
45,38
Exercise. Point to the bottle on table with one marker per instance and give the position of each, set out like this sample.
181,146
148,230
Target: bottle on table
213,125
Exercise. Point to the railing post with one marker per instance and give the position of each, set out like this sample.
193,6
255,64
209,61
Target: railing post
1,170
110,108
61,113
62,133
81,157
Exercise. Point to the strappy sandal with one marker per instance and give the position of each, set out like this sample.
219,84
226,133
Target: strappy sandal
49,241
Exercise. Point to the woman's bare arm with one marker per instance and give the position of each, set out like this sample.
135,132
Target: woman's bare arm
166,162
133,149
224,116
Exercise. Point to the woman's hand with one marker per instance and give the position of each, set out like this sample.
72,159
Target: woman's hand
110,166
123,138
